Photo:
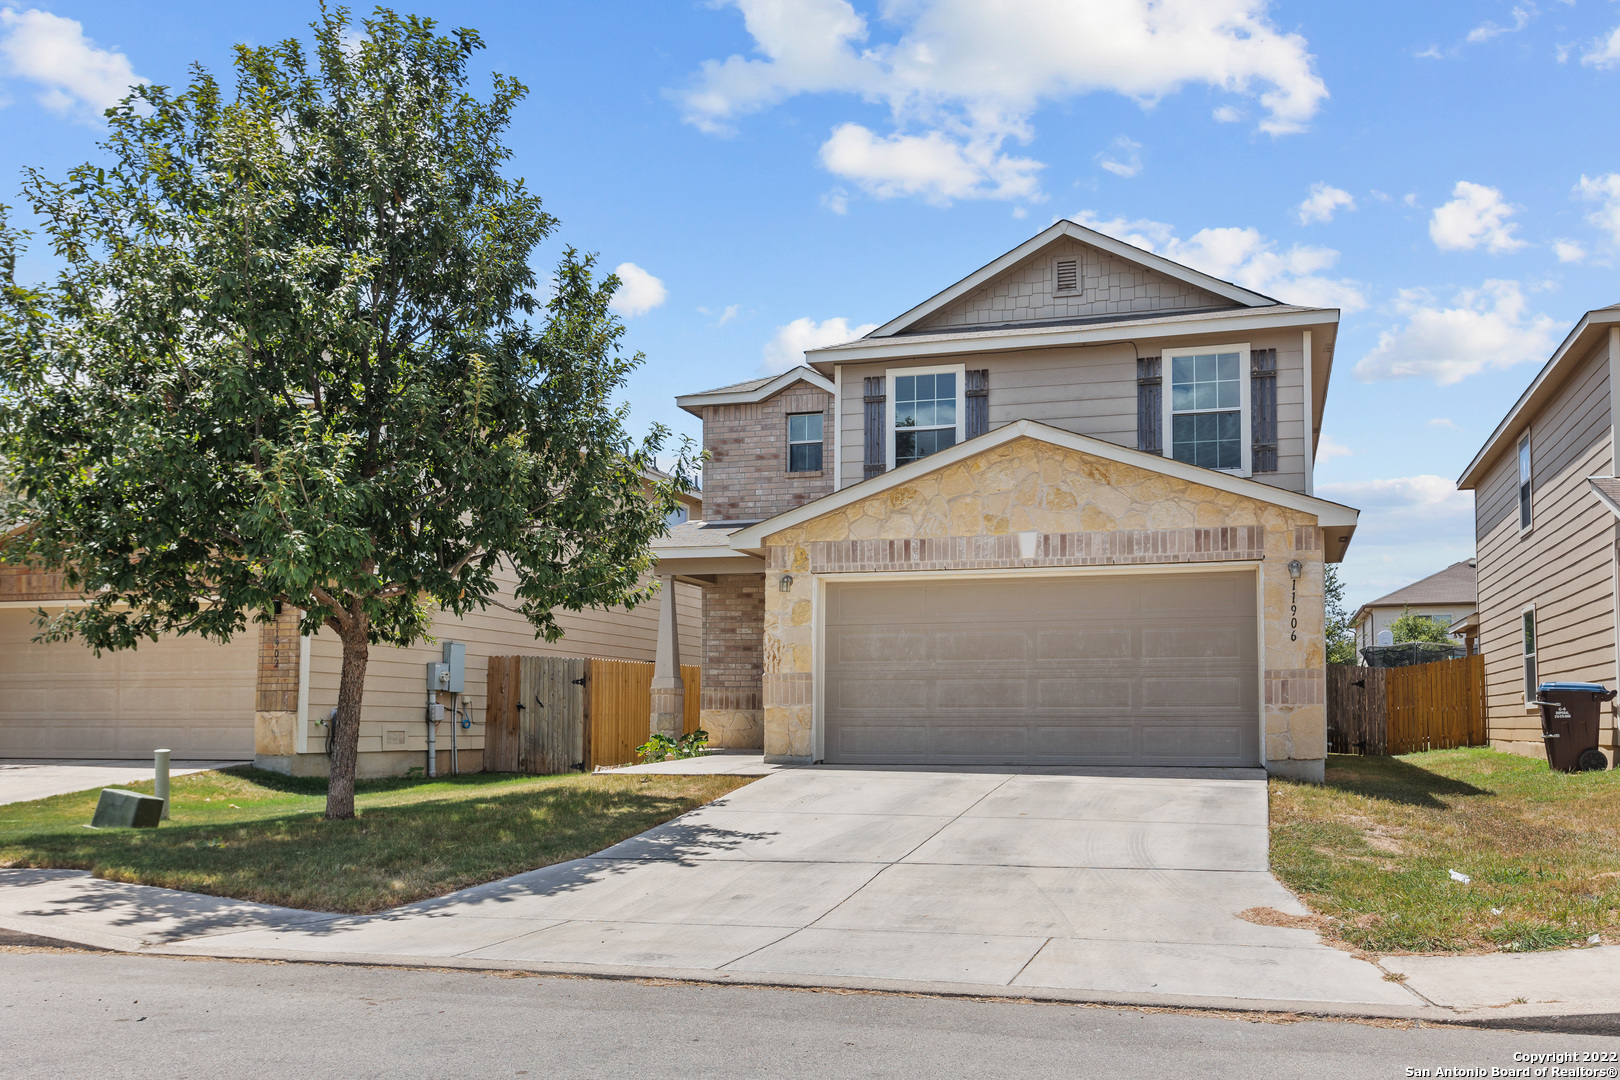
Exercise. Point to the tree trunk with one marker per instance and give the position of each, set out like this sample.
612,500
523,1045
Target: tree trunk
343,744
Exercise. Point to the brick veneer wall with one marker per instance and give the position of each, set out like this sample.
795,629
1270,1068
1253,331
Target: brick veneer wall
746,478
28,583
733,657
275,705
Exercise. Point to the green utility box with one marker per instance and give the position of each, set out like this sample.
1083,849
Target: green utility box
120,809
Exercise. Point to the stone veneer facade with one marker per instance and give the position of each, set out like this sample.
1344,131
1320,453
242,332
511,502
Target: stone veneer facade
746,477
1086,511
733,649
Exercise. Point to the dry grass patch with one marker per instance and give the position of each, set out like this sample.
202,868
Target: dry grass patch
260,836
1373,849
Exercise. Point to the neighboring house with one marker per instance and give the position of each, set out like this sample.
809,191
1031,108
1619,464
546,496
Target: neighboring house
1059,513
1447,597
1544,513
268,693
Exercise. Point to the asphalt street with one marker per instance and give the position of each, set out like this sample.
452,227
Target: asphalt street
110,1015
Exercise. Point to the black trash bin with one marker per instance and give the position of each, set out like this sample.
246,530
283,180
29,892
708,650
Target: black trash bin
1569,724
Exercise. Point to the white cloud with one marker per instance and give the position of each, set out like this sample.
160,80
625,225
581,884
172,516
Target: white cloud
1445,422
728,314
1130,150
1475,215
1487,30
1323,201
74,75
1604,190
1244,256
786,349
1604,52
1329,447
1484,328
639,292
974,75
1568,251
1410,526
1227,114
934,166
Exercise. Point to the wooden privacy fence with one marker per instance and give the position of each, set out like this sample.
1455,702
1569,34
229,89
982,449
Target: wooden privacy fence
1406,709
553,714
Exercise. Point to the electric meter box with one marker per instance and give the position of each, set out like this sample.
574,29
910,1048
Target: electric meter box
455,658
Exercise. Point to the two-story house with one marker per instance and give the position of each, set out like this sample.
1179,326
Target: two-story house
1059,513
1545,503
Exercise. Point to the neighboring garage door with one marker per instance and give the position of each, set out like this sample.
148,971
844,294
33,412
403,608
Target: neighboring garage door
1144,669
184,693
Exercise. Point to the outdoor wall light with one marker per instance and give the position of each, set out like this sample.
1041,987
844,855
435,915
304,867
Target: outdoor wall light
1294,568
786,583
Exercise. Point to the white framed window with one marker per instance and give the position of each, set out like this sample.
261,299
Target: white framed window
1524,483
1206,407
1528,618
926,407
804,442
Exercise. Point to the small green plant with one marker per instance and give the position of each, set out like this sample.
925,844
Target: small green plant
416,772
661,747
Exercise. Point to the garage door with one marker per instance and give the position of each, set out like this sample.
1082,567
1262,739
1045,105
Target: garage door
187,694
1150,669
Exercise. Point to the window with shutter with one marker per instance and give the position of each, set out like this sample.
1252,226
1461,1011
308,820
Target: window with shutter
1205,404
1148,407
1263,409
1068,275
977,420
876,452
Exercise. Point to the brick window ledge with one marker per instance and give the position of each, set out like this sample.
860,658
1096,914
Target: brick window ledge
812,475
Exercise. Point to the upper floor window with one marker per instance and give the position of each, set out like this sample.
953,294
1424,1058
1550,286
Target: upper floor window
677,516
1207,408
1524,482
926,412
804,442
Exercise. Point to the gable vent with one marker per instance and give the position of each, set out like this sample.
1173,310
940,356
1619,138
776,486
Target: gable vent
1068,275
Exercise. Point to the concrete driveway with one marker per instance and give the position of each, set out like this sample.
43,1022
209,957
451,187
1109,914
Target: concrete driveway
23,779
1008,878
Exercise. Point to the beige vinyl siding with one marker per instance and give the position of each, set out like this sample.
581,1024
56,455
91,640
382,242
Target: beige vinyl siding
396,690
1564,565
1089,391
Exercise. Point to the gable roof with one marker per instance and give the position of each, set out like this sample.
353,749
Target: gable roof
1339,520
1048,236
1456,584
1593,326
754,390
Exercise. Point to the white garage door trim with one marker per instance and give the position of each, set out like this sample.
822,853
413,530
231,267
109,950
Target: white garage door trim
818,628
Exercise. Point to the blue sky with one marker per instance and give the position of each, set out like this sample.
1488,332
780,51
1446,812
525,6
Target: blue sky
783,172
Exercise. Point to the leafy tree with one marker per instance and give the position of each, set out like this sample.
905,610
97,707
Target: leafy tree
1341,636
1410,627
288,359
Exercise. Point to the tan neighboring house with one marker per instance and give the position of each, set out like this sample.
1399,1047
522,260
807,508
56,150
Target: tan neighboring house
1447,597
1544,512
267,695
1059,513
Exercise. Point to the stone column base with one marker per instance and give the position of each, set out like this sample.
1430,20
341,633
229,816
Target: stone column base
735,729
273,733
668,708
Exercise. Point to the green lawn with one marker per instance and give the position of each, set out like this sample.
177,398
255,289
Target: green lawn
1373,848
260,836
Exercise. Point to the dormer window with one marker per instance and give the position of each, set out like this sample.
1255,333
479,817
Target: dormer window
1068,275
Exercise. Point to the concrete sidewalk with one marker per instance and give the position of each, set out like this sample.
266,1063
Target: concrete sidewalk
1052,884
25,779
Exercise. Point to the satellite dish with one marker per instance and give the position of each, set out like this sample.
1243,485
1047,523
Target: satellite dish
1386,637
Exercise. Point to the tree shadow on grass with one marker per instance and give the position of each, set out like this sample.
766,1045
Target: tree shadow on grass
1394,780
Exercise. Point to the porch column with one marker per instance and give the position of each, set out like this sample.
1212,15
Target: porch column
668,692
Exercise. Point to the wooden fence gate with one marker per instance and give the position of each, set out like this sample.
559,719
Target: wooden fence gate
553,714
1406,709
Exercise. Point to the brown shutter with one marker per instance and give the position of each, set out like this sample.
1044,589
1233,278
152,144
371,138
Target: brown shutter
1263,409
1149,405
876,458
977,421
